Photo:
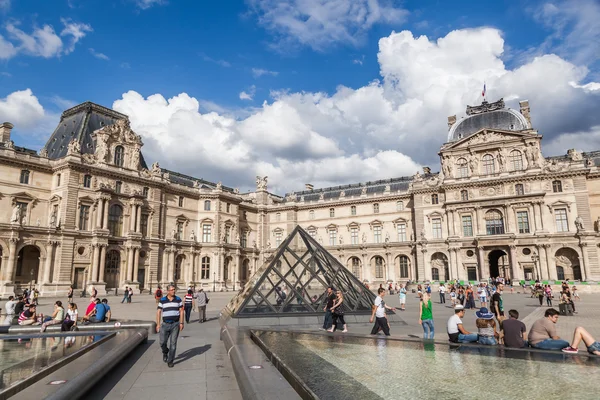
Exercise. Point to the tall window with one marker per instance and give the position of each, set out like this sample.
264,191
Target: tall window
119,156
403,261
356,266
377,234
556,186
467,224
516,160
435,274
58,180
378,267
488,164
311,214
523,221
178,264
115,220
23,207
354,235
332,237
244,239
464,195
228,208
353,210
206,205
278,217
145,192
278,237
118,186
436,228
144,225
494,223
401,232
227,234
435,199
462,168
562,225
87,181
376,208
84,216
400,205
313,233
206,233
519,189
205,271
24,177
180,230
180,201
332,212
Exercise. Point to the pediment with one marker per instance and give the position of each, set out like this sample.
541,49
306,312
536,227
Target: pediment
182,217
23,196
84,199
375,222
311,228
55,198
400,221
331,226
559,204
435,214
207,221
486,136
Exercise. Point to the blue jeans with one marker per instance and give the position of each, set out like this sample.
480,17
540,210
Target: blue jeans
487,340
470,338
328,321
169,332
428,330
551,344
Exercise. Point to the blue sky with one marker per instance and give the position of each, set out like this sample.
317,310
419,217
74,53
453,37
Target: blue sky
232,56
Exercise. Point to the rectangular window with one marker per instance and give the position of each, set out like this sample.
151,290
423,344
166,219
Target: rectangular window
118,186
332,212
523,221
144,225
377,234
244,240
180,201
58,180
562,225
145,192
353,235
228,208
227,234
277,217
467,224
313,234
180,231
401,232
84,216
278,236
436,227
24,177
87,181
206,231
376,208
205,268
332,237
353,210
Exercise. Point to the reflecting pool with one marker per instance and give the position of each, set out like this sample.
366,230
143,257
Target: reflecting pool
338,367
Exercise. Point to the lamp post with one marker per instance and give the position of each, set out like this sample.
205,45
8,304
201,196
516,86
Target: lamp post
234,281
214,281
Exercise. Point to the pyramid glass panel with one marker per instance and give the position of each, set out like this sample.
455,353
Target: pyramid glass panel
295,281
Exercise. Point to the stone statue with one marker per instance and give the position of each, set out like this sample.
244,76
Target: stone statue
448,166
364,237
174,234
236,191
237,237
341,239
254,244
156,168
261,183
579,224
74,147
343,193
322,196
196,184
473,163
38,222
52,222
101,147
16,215
417,177
598,224
575,155
219,186
501,160
135,158
533,155
193,236
363,191
321,239
387,237
423,235
44,152
589,162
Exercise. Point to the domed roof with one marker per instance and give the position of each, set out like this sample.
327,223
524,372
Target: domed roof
487,115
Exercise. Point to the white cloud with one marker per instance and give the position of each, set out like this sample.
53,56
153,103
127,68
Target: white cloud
145,4
249,95
258,72
99,55
22,109
359,61
321,23
44,41
4,4
384,129
222,63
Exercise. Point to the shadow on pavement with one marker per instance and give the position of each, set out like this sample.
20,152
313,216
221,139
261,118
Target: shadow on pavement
196,351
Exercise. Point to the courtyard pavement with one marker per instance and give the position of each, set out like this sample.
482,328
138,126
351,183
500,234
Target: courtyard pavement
203,370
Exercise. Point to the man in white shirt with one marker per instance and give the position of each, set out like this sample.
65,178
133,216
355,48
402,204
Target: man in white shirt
442,290
456,332
381,322
9,308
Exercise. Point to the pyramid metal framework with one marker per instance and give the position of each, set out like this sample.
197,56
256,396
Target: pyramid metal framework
295,281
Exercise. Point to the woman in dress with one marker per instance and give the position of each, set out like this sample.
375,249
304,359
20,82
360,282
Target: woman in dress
426,317
338,312
486,327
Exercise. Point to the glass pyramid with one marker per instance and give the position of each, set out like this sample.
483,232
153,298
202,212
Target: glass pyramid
295,280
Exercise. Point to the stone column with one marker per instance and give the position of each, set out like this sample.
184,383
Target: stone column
507,223
138,222
478,221
130,254
172,266
105,218
99,213
164,267
517,273
426,265
537,218
12,260
95,258
585,262
391,268
136,263
102,262
48,264
548,271
481,261
366,269
132,218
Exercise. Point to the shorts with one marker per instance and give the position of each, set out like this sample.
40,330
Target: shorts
403,300
483,299
594,347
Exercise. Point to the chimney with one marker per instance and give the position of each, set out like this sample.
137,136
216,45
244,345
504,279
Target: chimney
451,121
5,129
308,186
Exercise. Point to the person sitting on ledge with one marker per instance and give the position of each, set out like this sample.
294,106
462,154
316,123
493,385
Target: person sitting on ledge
514,331
543,332
593,347
29,317
486,327
456,332
98,314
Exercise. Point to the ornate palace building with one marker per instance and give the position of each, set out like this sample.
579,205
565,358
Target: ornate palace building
87,209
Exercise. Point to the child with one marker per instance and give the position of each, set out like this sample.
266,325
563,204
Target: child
453,297
575,294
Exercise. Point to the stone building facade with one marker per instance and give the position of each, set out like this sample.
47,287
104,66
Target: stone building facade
87,209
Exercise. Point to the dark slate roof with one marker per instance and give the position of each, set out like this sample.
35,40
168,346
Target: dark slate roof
24,150
80,122
506,119
186,180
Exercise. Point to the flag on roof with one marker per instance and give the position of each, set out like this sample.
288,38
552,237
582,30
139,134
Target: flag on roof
483,91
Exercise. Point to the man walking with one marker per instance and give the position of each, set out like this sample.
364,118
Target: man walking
169,321
202,301
125,295
328,320
498,303
378,313
442,290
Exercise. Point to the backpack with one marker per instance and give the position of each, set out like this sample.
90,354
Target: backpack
158,293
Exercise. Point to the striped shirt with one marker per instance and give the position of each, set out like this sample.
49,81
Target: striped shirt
171,309
189,299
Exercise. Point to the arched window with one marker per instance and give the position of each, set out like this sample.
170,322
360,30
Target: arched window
462,168
356,266
403,261
435,199
488,164
205,273
352,210
311,214
87,181
332,212
557,186
24,177
206,205
278,217
115,220
378,267
560,273
519,189
178,263
400,205
464,195
516,160
376,208
435,274
119,156
494,223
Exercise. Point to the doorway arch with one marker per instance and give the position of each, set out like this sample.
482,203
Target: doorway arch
178,267
245,271
499,264
567,264
226,265
439,267
112,269
28,264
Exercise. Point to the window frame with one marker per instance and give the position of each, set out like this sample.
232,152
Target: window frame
332,213
464,195
375,208
353,210
557,186
516,160
377,234
435,199
467,225
206,233
84,216
562,224
523,225
207,205
24,177
436,228
462,168
488,164
205,268
519,189
87,181
119,157
401,231
494,226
